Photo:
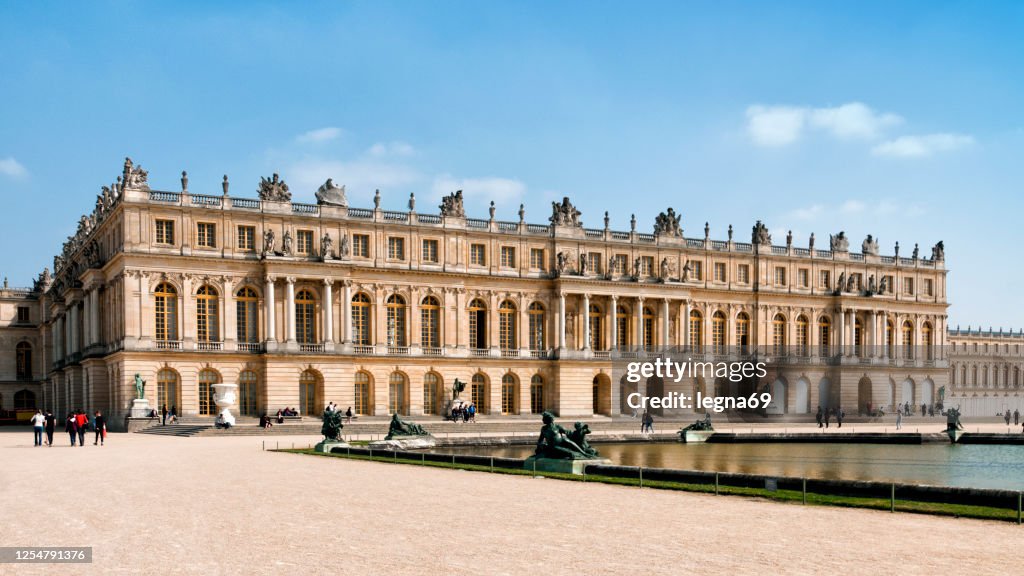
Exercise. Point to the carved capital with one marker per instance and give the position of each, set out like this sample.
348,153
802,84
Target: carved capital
269,279
290,279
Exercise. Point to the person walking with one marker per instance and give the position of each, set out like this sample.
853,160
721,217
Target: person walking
1006,417
38,422
164,414
1016,417
819,418
839,417
828,415
83,425
650,423
348,415
71,427
899,419
100,425
51,424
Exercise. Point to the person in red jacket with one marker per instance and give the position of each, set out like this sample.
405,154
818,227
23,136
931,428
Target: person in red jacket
81,420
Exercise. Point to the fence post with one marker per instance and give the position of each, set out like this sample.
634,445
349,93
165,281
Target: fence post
1018,507
264,445
396,456
492,463
892,499
641,476
805,490
534,466
585,474
716,483
423,458
371,453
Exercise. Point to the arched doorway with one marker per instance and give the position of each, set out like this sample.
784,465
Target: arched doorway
24,400
478,392
167,390
310,393
928,391
247,393
626,388
398,394
801,397
363,393
890,395
907,393
509,394
655,389
865,401
207,378
602,395
432,393
537,394
825,394
778,403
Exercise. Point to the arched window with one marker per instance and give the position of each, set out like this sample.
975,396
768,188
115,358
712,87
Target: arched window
167,389
825,335
509,394
23,360
396,320
537,320
310,395
207,320
431,393
974,376
743,331
207,378
648,327
696,329
908,339
363,397
361,321
305,317
622,326
718,332
779,335
430,324
24,400
596,328
802,335
926,341
247,393
165,309
507,326
477,324
478,392
890,339
247,314
537,394
397,388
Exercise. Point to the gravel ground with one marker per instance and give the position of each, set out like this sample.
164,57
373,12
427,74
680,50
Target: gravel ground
158,505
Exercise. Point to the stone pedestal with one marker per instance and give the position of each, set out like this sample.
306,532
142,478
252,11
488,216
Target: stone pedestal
695,436
404,443
224,398
328,446
562,466
140,408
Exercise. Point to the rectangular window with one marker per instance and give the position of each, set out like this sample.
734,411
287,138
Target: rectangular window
23,317
743,274
824,279
396,248
478,254
908,286
696,270
804,276
621,264
304,241
430,251
165,231
720,272
646,265
247,238
888,285
537,261
927,286
594,262
206,235
780,276
508,257
360,246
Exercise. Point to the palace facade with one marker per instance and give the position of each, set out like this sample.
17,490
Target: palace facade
985,371
302,304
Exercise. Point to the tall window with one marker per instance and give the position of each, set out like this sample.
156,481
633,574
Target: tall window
167,389
508,257
718,332
890,339
305,317
309,400
622,326
596,328
396,248
908,286
824,279
595,262
24,316
206,235
536,394
720,272
926,343
431,392
165,305
537,261
621,264
507,326
164,232
509,395
362,393
743,331
804,277
743,273
207,378
246,238
780,276
430,333
697,270
247,393
247,315
430,252
778,334
537,320
648,327
477,255
397,394
477,324
478,392
802,335
858,337
207,322
696,329
23,355
361,320
396,320
908,339
825,335
646,265
304,241
361,245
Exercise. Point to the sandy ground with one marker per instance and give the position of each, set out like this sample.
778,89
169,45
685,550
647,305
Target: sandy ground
159,505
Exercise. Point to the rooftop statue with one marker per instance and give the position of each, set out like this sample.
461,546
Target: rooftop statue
332,426
274,189
565,214
134,177
667,224
554,442
331,194
870,246
452,206
839,243
939,252
759,235
400,427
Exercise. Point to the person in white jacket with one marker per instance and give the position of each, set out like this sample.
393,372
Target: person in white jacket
38,421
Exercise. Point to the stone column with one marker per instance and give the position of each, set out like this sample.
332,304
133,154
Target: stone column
289,309
560,321
346,312
87,320
874,333
328,311
614,324
268,304
94,307
59,338
73,329
686,323
842,332
664,323
638,323
586,322
229,316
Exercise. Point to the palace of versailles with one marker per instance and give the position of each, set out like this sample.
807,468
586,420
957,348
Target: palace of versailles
302,304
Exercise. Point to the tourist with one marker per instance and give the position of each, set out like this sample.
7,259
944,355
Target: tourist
899,419
839,417
819,417
83,424
1016,417
924,410
163,412
280,416
472,413
649,422
1006,417
51,424
71,427
100,426
828,414
38,422
265,421
348,415
465,414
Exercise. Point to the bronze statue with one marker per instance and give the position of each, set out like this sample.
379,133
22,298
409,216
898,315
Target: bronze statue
554,442
332,425
457,387
579,436
399,427
140,386
700,425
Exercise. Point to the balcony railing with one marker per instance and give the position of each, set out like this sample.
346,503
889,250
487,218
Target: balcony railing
311,348
250,347
431,351
167,344
479,352
510,353
209,346
398,350
363,350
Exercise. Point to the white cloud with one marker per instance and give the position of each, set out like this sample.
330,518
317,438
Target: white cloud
809,213
922,145
782,125
11,167
319,135
481,190
852,207
358,176
391,149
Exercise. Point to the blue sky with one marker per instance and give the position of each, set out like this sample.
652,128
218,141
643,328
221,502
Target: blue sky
901,120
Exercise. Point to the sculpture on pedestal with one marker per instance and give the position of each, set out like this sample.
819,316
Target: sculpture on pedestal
939,251
554,442
286,244
839,242
457,387
399,427
667,224
274,189
759,235
565,214
452,206
870,246
140,386
269,242
326,247
332,426
331,194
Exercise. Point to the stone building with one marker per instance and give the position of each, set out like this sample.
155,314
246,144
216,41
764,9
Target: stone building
302,304
985,371
22,367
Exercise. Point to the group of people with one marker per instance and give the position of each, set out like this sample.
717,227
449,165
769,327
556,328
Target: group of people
926,410
647,422
464,413
332,407
77,423
1016,417
171,414
824,417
